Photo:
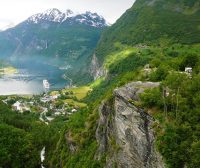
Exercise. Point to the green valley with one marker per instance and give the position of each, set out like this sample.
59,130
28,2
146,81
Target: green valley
142,110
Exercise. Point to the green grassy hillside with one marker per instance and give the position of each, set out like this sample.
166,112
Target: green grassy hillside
153,23
163,34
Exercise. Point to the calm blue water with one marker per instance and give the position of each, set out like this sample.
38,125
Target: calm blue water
29,79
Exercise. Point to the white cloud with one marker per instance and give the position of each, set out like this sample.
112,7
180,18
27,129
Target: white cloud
15,11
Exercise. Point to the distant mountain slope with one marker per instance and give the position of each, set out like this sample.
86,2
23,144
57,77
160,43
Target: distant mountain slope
154,21
65,39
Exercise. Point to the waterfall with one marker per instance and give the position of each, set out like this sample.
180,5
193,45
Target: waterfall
42,156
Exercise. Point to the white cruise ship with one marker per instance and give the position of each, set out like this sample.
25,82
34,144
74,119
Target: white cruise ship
46,84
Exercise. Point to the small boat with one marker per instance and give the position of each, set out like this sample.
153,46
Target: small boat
46,84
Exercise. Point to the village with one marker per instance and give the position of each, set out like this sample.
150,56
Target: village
50,104
65,102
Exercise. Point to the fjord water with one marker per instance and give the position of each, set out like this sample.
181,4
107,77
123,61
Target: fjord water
29,79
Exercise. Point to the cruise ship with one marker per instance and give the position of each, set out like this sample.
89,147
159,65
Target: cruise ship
46,84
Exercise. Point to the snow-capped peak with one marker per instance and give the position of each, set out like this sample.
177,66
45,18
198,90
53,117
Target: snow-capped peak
92,19
53,11
69,12
55,15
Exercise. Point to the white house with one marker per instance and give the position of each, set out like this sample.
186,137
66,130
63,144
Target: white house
17,106
20,107
74,110
57,113
188,70
45,99
54,97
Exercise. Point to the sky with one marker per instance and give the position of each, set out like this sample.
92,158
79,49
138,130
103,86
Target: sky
13,12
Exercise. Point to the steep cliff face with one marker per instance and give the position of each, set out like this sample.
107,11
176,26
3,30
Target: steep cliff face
124,131
96,71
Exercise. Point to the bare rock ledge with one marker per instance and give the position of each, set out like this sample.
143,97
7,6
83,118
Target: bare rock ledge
124,130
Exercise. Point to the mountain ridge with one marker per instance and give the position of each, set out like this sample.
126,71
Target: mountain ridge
143,109
152,22
55,15
153,41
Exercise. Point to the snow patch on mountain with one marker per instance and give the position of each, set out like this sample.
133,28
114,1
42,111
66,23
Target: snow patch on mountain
68,14
55,15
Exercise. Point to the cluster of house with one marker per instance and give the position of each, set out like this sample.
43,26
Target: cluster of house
45,104
61,112
48,98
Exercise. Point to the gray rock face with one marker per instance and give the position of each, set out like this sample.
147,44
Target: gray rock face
124,130
96,71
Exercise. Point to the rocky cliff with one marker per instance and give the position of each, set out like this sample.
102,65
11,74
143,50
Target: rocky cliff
124,131
96,71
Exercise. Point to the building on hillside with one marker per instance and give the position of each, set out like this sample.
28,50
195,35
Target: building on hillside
18,106
188,70
57,113
54,97
74,110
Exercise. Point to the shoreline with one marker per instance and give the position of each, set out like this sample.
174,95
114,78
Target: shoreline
8,70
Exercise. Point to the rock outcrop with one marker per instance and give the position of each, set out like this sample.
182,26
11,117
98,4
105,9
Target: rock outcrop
96,71
124,131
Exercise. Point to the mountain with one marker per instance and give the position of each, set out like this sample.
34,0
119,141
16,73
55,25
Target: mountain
131,121
69,17
61,39
153,22
141,111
